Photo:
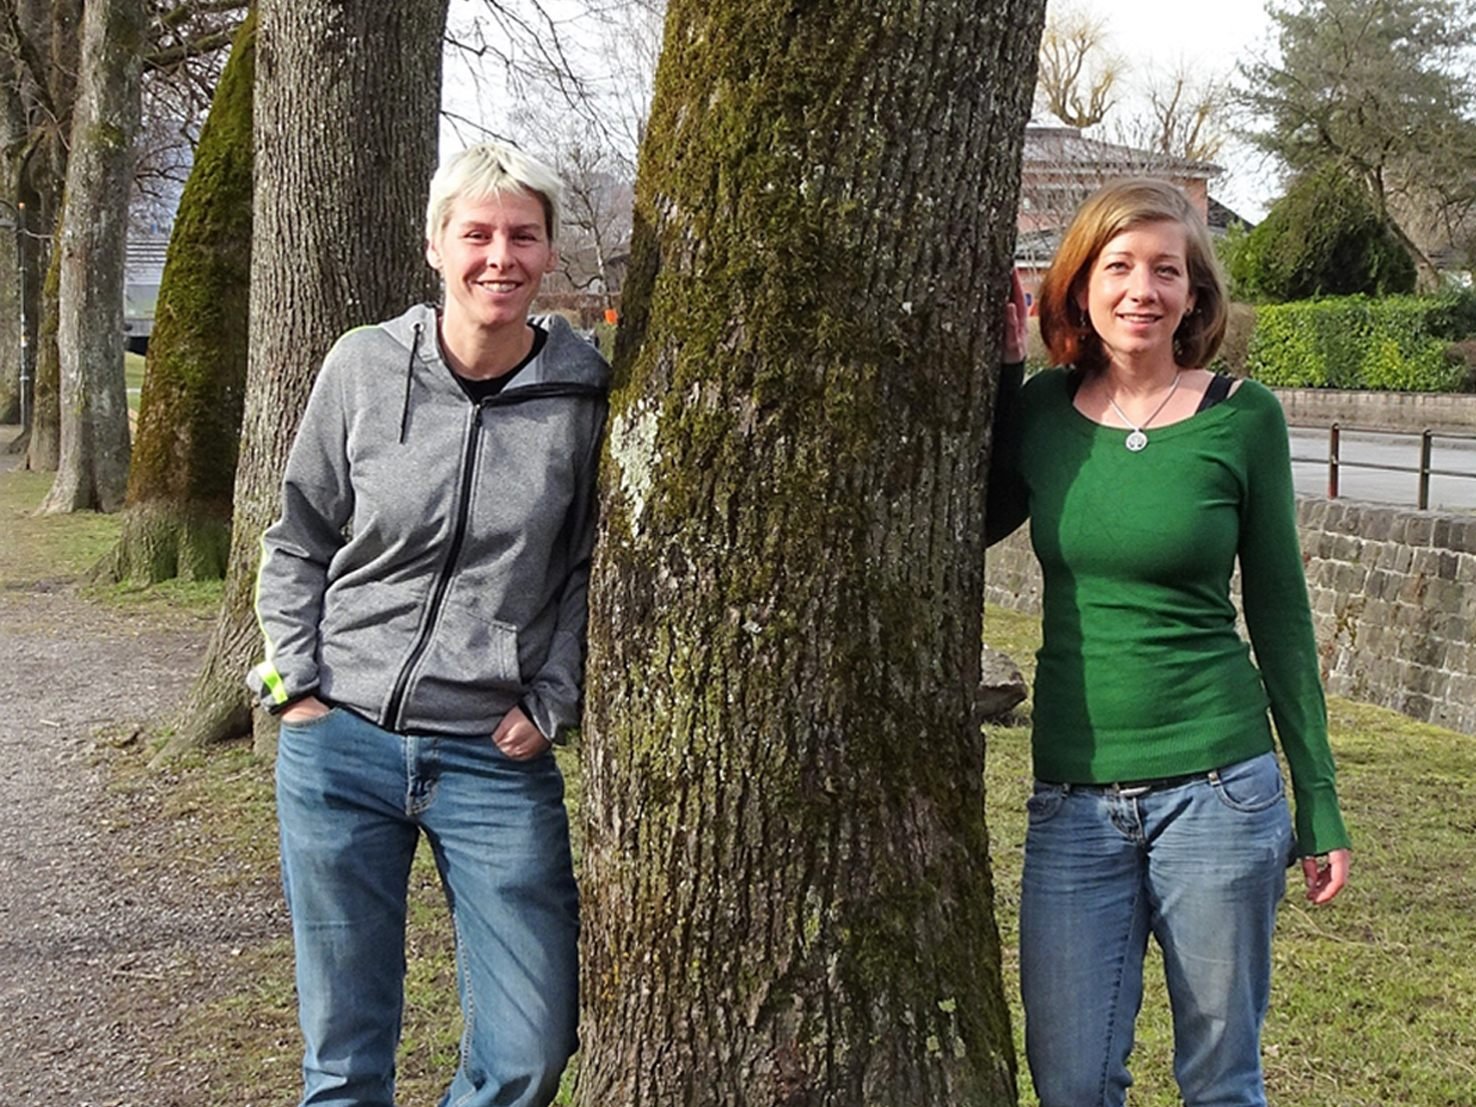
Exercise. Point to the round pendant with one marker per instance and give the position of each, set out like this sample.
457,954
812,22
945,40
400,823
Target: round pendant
1136,441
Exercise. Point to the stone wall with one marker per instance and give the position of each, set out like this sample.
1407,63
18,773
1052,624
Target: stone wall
1393,603
1391,411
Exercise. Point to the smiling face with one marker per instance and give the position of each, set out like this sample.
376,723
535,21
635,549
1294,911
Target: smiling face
492,254
1138,290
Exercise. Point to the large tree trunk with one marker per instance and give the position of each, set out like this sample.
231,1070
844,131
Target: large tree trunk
93,469
178,518
347,102
786,879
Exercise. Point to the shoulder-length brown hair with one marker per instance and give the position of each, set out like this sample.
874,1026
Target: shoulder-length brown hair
1065,327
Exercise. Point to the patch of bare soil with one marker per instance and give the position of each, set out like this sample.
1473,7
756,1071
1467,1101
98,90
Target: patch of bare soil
114,926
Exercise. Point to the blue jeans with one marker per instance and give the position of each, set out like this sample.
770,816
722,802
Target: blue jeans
352,800
1201,866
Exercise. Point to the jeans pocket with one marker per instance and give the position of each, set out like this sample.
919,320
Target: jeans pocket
1250,786
315,723
1045,801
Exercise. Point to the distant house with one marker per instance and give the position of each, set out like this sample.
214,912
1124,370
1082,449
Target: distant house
143,271
1447,239
1061,168
1221,218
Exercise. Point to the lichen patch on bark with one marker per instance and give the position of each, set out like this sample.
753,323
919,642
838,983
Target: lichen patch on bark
633,449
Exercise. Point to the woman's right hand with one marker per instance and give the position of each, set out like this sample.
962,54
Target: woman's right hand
304,710
1013,350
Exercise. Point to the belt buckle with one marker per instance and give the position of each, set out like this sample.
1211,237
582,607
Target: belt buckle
1129,791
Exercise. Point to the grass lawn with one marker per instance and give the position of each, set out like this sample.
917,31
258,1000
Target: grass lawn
1373,997
133,372
46,547
1374,1000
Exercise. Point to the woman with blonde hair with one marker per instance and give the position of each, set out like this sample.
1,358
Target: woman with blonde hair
1158,807
423,601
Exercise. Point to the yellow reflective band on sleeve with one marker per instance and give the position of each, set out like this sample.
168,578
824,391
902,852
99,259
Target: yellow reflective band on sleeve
273,681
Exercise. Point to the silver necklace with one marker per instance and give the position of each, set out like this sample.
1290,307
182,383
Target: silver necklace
1138,439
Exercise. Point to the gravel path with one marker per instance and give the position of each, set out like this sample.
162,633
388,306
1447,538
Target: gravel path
117,920
107,925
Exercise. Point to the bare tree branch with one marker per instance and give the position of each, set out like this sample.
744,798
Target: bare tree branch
1078,74
194,48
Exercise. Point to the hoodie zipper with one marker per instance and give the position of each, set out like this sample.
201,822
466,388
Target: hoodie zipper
443,578
463,513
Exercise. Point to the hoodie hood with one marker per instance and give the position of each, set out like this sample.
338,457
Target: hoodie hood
565,358
567,365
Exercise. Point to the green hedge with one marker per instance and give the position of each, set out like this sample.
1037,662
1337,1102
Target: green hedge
1395,343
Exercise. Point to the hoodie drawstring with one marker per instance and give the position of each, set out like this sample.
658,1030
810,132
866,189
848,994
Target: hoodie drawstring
409,377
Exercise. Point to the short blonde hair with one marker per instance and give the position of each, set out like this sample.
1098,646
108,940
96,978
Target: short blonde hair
1121,206
491,169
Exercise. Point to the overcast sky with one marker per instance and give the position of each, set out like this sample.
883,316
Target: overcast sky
1210,38
1149,34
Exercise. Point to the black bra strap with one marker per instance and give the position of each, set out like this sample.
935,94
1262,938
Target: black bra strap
1219,388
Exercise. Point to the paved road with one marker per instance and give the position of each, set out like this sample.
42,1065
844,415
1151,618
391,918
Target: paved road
1446,493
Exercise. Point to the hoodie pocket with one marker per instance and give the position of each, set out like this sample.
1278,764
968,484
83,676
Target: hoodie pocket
368,617
468,676
366,631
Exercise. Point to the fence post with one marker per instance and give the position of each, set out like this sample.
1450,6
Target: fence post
1332,462
1423,501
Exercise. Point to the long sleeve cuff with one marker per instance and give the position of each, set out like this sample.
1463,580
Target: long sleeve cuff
1319,822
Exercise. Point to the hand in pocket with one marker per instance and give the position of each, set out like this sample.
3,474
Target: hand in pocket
517,737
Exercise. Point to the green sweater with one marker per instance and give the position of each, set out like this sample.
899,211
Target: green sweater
1142,673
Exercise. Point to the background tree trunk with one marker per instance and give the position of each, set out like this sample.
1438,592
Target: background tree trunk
43,451
12,136
53,31
178,518
93,469
786,880
10,316
346,118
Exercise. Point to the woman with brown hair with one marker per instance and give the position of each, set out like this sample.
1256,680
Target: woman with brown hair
1158,806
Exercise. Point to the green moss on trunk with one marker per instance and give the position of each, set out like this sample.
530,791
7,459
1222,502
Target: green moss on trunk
787,886
158,542
184,460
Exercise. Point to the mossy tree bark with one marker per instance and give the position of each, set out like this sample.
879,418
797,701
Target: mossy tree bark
177,521
92,473
345,126
786,879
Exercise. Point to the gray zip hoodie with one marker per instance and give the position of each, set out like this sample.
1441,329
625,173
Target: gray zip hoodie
431,563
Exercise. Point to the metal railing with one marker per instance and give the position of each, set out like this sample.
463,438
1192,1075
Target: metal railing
1336,462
